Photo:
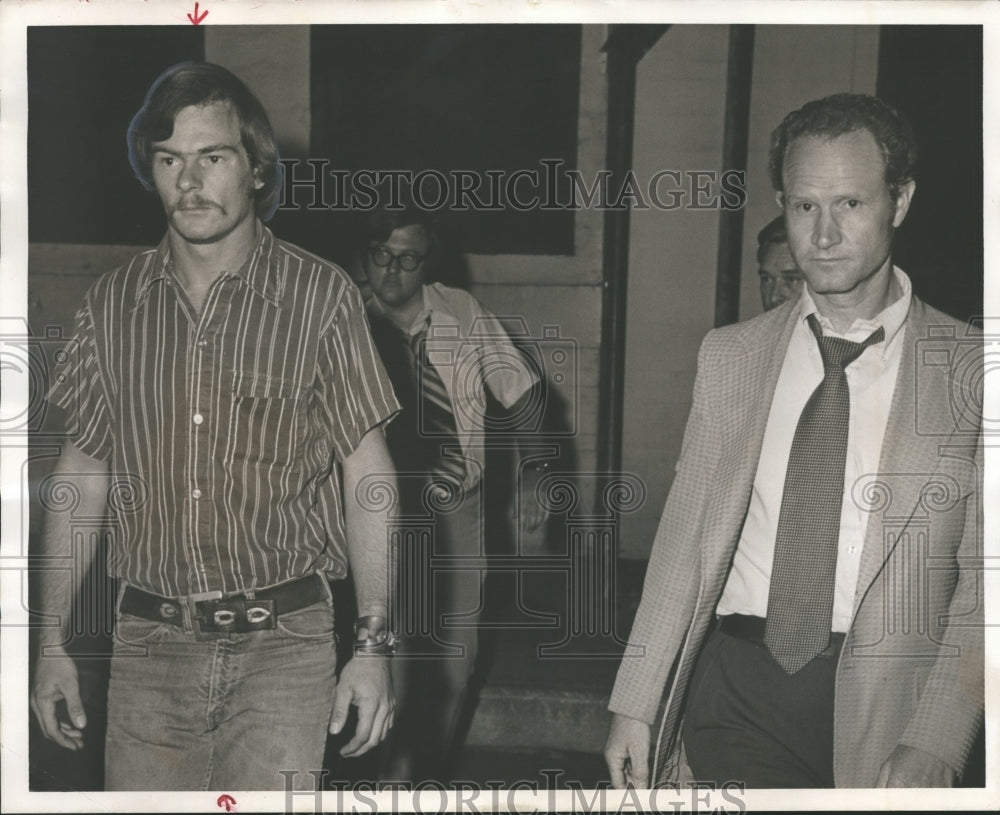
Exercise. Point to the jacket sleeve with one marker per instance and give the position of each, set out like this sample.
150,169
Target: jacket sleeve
949,710
672,576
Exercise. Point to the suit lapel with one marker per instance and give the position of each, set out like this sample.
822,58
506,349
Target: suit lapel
765,358
756,370
905,455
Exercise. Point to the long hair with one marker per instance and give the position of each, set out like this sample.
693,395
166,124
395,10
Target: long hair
201,83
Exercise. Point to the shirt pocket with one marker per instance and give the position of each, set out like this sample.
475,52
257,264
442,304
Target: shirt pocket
270,419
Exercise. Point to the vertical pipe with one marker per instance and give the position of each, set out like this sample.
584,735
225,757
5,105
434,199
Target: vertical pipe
621,118
625,47
739,77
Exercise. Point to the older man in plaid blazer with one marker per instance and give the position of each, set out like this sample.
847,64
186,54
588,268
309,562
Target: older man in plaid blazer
745,565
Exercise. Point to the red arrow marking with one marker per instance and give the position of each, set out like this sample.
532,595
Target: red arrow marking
196,18
224,800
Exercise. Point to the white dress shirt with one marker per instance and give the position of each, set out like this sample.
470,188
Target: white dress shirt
472,353
871,379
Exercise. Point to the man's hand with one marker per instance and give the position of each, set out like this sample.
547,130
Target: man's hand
627,752
532,513
910,767
364,682
56,680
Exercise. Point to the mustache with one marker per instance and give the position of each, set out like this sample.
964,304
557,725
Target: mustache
194,203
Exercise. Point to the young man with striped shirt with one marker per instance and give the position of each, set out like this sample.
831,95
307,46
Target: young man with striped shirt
225,402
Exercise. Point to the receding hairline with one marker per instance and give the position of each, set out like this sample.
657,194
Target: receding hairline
829,138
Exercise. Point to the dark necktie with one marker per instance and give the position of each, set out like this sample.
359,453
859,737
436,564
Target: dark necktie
437,419
800,600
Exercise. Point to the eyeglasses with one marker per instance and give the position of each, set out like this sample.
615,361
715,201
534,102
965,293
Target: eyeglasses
408,261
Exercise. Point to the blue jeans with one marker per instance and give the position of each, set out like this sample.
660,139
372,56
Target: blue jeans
223,714
437,656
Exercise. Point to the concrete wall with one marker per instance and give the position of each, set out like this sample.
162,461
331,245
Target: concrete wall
679,111
564,291
680,100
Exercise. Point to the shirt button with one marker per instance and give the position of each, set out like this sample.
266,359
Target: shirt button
851,549
198,418
196,494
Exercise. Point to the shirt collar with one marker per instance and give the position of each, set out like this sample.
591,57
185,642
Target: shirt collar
890,319
419,322
153,273
262,271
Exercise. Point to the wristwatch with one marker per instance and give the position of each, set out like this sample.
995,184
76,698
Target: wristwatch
373,636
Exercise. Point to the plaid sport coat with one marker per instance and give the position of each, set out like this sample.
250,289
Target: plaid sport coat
911,669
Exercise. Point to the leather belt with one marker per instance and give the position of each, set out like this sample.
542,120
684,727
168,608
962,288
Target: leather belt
747,627
213,612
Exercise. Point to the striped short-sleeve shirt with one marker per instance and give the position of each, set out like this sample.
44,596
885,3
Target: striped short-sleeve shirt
224,429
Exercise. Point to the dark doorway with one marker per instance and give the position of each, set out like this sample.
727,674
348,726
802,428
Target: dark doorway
934,75
447,98
85,84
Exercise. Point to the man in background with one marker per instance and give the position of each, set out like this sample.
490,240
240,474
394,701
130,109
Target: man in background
223,400
445,352
780,278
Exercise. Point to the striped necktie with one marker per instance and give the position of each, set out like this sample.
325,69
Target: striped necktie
437,419
800,600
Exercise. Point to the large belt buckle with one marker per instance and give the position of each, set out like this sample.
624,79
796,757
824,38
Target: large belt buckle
195,605
214,616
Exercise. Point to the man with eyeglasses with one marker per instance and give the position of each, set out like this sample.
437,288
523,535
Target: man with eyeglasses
444,351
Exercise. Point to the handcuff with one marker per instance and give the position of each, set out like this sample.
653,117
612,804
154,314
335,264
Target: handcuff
373,636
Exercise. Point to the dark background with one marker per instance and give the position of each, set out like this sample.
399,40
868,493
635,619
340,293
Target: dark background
934,75
410,97
464,97
84,87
